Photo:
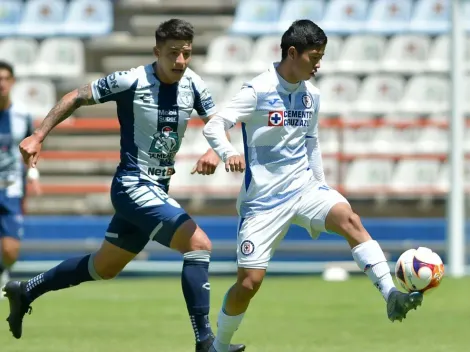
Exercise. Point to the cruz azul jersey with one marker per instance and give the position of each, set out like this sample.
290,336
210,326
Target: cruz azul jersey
276,120
153,117
15,125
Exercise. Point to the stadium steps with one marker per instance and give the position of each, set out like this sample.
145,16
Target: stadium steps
86,203
161,6
145,24
82,142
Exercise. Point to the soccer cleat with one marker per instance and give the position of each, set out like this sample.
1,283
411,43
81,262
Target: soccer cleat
399,304
206,346
15,291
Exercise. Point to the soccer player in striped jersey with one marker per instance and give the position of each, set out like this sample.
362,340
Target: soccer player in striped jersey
154,104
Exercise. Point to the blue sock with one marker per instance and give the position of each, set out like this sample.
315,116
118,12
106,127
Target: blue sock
196,290
70,272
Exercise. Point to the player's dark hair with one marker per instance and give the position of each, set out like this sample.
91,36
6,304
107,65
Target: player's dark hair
302,35
175,29
6,66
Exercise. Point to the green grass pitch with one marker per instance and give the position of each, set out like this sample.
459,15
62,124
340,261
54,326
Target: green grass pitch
291,314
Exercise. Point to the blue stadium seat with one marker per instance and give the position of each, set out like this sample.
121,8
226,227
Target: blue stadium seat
10,15
89,18
345,16
300,9
42,18
389,16
256,17
430,17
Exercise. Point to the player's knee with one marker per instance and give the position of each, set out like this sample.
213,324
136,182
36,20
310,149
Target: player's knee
249,286
201,243
107,272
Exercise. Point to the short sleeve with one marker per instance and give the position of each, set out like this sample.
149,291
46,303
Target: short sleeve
108,88
203,102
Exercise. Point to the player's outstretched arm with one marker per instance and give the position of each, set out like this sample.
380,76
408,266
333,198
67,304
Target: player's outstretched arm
31,146
240,109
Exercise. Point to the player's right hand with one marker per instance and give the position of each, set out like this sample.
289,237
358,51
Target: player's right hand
30,147
235,163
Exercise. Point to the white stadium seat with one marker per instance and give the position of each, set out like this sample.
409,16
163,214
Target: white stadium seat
426,94
329,140
42,18
380,93
228,55
368,174
406,54
216,86
439,58
38,95
358,140
21,52
344,16
89,18
432,140
233,87
338,93
61,57
331,170
430,17
266,50
361,54
293,10
389,16
332,52
415,175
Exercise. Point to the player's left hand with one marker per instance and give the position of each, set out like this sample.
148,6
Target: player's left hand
207,164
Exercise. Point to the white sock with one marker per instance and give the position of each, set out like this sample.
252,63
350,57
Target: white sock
226,327
371,259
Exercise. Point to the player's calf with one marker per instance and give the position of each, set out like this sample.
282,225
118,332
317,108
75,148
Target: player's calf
370,259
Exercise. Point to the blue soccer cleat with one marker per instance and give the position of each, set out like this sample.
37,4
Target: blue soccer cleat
399,304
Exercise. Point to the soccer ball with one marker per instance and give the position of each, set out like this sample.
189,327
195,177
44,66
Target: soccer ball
419,270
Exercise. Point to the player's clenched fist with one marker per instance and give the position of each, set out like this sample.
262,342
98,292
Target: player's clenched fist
207,164
235,163
30,148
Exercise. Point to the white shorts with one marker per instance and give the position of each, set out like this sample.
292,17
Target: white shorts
260,234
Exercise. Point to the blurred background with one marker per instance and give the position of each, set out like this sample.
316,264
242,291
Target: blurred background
385,85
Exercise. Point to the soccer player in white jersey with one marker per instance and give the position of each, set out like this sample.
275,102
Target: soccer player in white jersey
15,124
154,104
284,181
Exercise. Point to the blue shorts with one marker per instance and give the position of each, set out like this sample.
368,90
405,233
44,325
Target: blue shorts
144,212
11,217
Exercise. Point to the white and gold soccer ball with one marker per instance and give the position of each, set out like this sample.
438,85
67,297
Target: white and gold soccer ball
419,270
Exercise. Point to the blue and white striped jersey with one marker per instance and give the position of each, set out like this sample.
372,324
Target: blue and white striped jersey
15,125
280,135
153,117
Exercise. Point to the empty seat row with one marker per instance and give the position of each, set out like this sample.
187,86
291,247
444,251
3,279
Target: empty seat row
54,57
361,54
45,18
258,17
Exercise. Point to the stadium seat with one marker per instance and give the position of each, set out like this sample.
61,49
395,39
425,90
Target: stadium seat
406,54
386,137
415,175
442,183
331,170
266,50
42,18
358,140
61,57
293,10
389,16
379,94
332,52
228,55
233,87
425,94
344,16
216,86
329,140
439,58
21,52
256,17
10,15
402,117
361,54
338,92
368,175
430,17
38,95
432,140
89,18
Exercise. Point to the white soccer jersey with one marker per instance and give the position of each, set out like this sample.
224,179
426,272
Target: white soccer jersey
153,118
15,125
280,135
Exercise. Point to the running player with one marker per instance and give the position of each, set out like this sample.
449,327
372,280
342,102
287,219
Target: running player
15,124
154,104
284,181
